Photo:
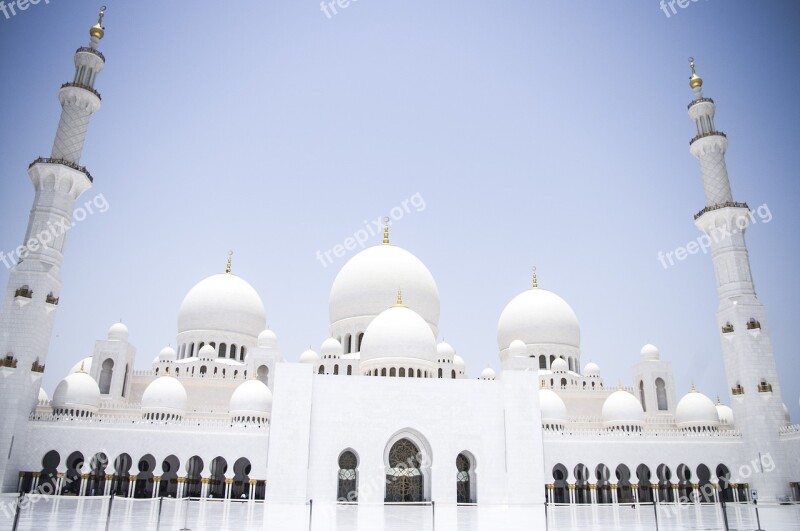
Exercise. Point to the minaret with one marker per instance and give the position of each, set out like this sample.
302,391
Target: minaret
741,319
34,283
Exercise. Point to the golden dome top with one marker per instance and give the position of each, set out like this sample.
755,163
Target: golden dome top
695,81
97,30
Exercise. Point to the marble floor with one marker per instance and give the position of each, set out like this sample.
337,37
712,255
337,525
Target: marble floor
89,513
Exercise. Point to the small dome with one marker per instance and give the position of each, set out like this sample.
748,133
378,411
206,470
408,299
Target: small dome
559,365
398,333
488,374
267,339
78,391
207,352
591,370
222,303
725,415
118,332
165,395
366,283
517,349
458,362
251,399
554,411
622,410
650,353
85,364
538,317
445,351
43,395
331,348
309,356
696,411
167,354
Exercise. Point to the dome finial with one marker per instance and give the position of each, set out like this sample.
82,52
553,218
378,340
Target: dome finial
228,267
694,389
535,280
97,31
386,230
81,369
695,81
399,297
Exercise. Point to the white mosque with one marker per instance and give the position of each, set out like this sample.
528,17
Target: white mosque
383,412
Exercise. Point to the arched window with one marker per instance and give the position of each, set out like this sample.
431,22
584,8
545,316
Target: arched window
242,353
358,342
106,373
453,374
402,373
347,490
542,362
463,487
233,352
349,370
440,372
560,487
203,369
404,480
346,344
392,372
321,369
641,395
336,369
125,382
223,350
263,374
661,395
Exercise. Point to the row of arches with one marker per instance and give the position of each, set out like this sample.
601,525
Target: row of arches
546,363
641,485
399,372
188,350
345,369
102,477
351,342
407,475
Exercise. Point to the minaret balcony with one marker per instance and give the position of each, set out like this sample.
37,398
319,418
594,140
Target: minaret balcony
84,87
87,49
718,206
9,362
37,367
63,162
764,387
706,135
738,390
699,100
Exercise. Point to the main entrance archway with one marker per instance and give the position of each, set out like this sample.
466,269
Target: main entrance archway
404,480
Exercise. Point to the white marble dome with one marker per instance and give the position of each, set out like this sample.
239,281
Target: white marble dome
488,374
458,363
331,348
559,365
165,396
650,352
517,349
251,399
592,370
84,365
445,352
367,283
309,356
118,332
538,317
725,415
267,339
207,352
225,303
554,411
167,354
622,410
77,392
398,333
695,411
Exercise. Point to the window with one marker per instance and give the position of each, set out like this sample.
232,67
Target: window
404,481
463,480
661,395
347,490
641,395
106,373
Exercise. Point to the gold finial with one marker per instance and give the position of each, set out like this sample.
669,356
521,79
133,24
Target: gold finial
719,402
694,389
230,257
399,297
695,81
98,30
386,230
81,369
535,280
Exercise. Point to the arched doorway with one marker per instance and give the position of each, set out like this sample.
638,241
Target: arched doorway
582,484
465,478
560,487
194,485
645,487
72,478
97,475
216,483
48,477
347,483
144,479
624,488
240,490
168,487
404,480
122,467
724,479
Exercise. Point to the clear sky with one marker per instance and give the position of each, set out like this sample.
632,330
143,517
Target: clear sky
546,133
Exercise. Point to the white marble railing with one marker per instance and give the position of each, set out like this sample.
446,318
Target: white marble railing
790,432
132,420
660,433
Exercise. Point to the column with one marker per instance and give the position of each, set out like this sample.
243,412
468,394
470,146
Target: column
156,486
35,484
109,483
614,497
131,486
252,490
228,488
59,483
571,493
735,489
84,484
181,487
715,492
593,493
675,494
696,492
548,495
654,488
635,492
204,488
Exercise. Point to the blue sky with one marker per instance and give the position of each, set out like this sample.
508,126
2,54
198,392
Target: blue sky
547,133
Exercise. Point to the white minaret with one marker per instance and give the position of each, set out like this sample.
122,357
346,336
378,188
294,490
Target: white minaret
34,283
742,321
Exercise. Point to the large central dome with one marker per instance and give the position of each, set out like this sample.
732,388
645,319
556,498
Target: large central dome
225,303
538,317
365,285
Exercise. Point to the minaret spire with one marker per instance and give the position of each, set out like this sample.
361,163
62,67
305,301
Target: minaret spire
34,282
747,350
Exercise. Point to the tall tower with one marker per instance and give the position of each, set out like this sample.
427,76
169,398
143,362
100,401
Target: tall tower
32,295
741,319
